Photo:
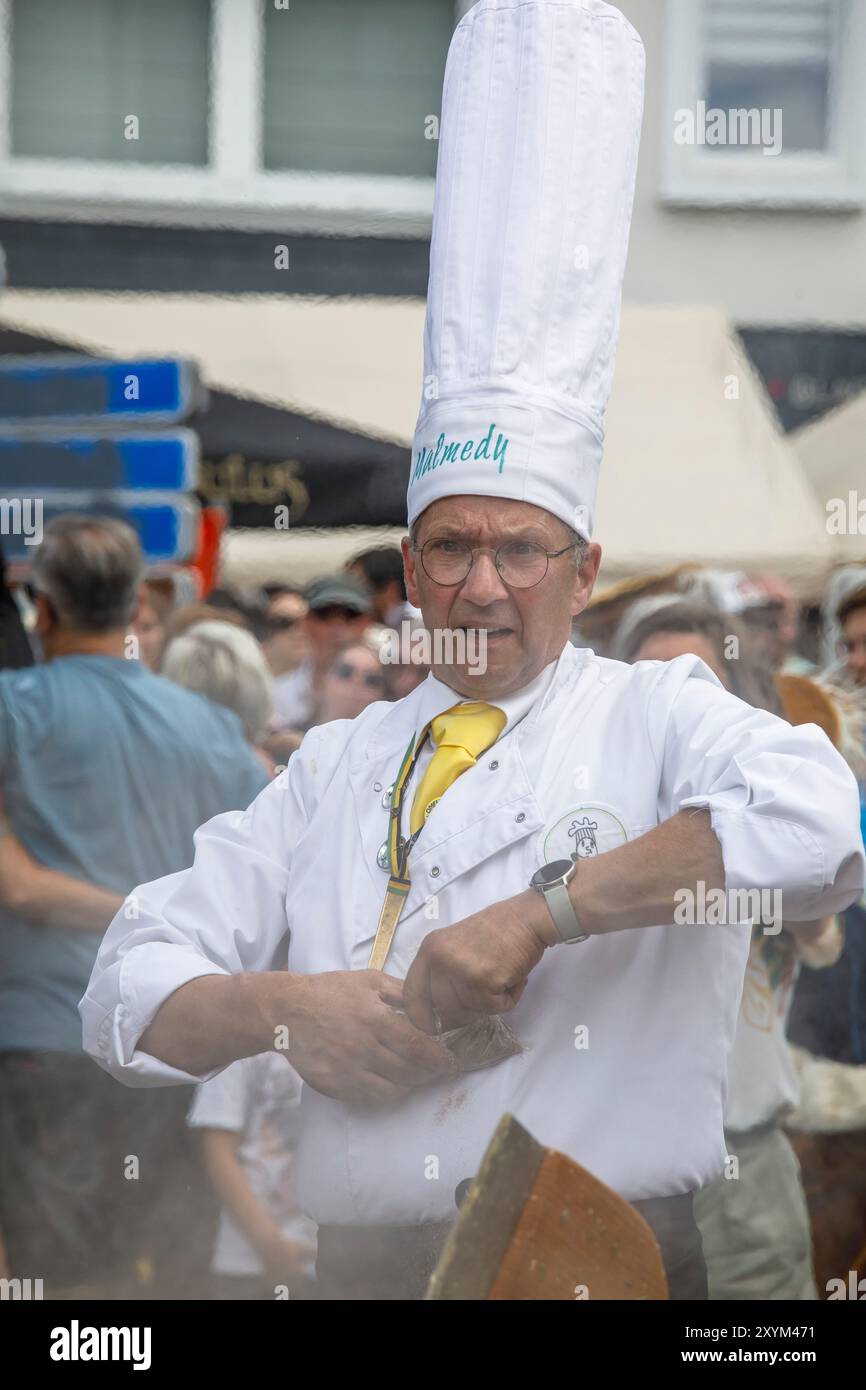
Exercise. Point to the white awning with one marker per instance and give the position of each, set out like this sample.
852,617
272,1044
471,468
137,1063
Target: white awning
696,466
356,362
832,452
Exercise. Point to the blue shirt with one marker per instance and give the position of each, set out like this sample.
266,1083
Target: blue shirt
106,771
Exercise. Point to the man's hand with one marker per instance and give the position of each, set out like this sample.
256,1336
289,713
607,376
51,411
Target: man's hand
348,1041
285,1261
478,966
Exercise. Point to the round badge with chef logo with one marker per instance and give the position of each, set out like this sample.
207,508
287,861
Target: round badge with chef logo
582,833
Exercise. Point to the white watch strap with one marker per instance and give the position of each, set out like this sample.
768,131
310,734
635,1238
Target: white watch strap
564,916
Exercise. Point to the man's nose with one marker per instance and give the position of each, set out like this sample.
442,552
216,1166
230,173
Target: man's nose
483,584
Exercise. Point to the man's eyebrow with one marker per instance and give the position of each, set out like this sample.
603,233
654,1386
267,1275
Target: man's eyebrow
528,531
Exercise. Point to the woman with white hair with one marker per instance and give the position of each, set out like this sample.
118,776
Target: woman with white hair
226,664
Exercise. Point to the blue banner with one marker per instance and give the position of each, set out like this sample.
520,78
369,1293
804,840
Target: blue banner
82,390
161,462
167,526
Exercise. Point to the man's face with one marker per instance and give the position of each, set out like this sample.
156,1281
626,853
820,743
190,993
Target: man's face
385,599
771,634
151,635
776,625
287,645
525,628
854,645
353,681
330,628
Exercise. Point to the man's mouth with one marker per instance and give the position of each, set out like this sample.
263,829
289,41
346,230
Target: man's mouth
487,634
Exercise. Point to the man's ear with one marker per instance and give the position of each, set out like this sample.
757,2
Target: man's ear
46,618
409,570
584,582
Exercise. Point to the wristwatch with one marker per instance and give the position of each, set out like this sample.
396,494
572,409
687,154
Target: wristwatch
552,881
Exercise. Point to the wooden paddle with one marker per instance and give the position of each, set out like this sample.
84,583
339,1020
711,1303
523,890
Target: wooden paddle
535,1225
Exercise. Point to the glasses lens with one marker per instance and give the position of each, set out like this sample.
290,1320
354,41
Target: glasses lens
446,561
345,671
522,563
334,610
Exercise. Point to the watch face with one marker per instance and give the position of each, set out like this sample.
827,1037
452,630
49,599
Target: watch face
551,873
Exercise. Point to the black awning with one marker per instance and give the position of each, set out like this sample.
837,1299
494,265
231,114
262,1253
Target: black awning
256,457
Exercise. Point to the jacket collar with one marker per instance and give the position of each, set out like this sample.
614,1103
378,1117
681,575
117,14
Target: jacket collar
411,715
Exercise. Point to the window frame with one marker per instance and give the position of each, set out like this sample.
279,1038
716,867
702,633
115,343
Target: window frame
234,182
693,176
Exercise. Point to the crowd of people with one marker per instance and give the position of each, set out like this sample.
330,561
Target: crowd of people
127,720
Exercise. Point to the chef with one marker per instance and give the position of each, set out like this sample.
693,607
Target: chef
470,886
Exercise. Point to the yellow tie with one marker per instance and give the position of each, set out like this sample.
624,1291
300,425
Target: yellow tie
461,735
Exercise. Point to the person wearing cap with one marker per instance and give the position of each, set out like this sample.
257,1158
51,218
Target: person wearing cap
501,851
381,569
339,610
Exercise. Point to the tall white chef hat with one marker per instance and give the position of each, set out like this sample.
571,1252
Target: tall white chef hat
538,144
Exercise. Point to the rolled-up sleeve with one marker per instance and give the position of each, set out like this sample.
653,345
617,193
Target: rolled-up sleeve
783,803
224,915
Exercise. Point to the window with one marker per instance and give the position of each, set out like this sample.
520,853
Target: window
764,102
110,79
312,114
348,87
779,55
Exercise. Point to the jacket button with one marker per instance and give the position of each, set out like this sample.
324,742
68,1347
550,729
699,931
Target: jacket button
377,786
521,817
434,872
494,765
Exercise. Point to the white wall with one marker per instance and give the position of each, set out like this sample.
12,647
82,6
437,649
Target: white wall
765,267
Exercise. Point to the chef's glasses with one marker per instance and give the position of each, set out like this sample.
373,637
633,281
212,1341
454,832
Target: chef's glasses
520,564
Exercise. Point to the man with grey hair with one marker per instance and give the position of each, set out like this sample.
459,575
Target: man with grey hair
106,771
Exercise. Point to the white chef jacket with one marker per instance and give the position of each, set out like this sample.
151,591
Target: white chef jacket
607,752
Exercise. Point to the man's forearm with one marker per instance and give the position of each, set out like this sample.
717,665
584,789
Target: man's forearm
57,901
49,898
216,1019
233,1188
635,884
